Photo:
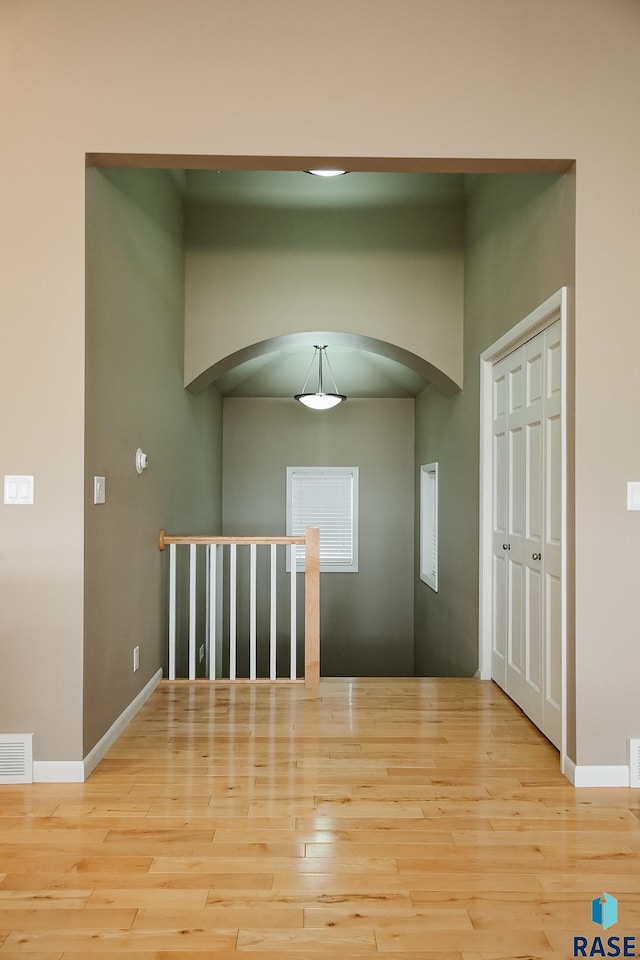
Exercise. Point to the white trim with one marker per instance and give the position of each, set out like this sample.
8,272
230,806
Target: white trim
77,771
568,768
555,308
596,776
634,762
429,524
539,319
58,771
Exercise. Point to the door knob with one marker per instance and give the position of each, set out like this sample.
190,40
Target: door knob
506,546
536,556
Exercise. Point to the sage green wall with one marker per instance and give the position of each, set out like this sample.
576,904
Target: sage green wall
519,250
135,398
391,270
366,617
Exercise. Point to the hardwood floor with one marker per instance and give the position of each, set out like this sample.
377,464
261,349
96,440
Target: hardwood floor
414,818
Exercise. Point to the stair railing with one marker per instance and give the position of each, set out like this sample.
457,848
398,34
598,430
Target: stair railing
209,608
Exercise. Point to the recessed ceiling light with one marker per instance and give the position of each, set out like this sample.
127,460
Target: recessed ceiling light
327,173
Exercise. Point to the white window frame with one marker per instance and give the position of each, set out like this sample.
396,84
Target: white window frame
317,472
429,525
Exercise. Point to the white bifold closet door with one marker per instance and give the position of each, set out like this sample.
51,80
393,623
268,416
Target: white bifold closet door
526,528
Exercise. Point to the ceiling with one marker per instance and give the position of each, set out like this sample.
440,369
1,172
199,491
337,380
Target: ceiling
281,371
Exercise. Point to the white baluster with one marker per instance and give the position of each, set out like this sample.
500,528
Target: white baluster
192,610
213,609
252,611
232,611
294,577
272,626
172,611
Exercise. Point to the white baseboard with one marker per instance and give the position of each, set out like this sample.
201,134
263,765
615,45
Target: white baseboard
77,771
596,776
58,771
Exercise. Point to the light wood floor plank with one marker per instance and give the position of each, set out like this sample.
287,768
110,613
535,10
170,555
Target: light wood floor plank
273,916
337,942
389,827
347,897
290,865
79,865
423,921
154,899
308,952
514,943
424,886
43,899
84,944
65,918
10,955
142,881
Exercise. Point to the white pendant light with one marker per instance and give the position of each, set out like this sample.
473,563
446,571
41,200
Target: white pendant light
320,400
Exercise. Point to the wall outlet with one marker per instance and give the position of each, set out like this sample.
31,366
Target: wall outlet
201,653
136,659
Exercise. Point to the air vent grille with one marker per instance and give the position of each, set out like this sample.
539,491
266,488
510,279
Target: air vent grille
16,758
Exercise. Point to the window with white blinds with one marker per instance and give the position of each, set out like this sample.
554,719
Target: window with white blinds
429,524
325,497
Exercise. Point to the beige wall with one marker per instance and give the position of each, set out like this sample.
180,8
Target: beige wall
135,398
390,271
430,79
519,250
366,617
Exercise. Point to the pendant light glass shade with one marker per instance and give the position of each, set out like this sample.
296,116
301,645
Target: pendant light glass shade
320,399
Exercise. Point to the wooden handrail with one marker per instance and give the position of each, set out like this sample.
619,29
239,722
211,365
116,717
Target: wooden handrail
164,539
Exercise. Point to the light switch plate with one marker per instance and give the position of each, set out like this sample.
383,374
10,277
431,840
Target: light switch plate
633,495
99,490
19,491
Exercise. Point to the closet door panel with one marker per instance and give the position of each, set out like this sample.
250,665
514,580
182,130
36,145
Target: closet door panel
527,528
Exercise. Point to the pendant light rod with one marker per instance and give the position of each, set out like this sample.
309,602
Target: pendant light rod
326,357
306,379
